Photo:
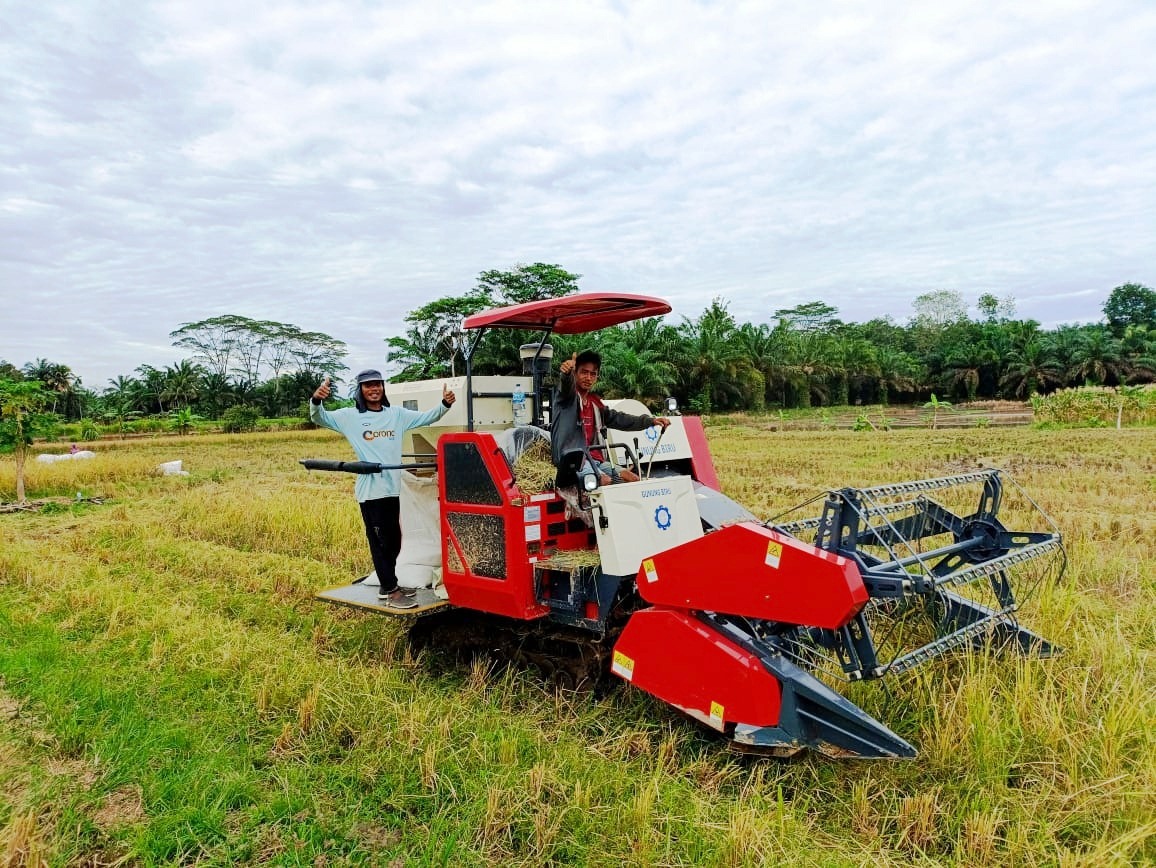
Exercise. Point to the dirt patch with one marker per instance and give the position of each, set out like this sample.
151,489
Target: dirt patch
121,807
73,770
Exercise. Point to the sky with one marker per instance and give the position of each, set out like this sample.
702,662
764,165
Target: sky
334,165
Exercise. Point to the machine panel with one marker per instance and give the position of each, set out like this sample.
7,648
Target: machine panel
634,520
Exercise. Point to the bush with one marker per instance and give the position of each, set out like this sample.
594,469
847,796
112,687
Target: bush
240,418
1096,406
149,425
89,430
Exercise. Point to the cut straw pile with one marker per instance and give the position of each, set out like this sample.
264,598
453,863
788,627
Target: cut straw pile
572,559
533,469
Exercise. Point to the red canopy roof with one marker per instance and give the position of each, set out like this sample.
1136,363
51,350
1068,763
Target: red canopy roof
571,314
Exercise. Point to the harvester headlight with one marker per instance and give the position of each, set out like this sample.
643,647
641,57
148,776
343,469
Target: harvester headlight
672,405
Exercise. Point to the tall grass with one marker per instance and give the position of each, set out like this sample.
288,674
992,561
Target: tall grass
171,693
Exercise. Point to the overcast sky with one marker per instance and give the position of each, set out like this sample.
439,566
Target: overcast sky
334,165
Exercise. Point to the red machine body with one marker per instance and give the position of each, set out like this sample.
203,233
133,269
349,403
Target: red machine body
779,578
689,664
493,533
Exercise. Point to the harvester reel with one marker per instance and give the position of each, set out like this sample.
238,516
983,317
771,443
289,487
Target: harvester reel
942,572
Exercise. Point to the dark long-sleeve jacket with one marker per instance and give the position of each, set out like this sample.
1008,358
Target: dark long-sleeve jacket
566,433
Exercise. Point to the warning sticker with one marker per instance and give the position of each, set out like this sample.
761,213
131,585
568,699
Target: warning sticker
532,514
651,572
716,715
533,532
622,666
774,553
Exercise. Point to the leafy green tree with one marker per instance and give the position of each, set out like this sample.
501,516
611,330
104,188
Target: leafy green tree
213,341
939,309
23,415
498,351
1138,347
154,384
434,338
993,309
811,317
525,283
424,353
122,401
1130,304
230,345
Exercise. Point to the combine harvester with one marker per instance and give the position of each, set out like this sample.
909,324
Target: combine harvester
667,583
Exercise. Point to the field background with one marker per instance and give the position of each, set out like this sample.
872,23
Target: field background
171,694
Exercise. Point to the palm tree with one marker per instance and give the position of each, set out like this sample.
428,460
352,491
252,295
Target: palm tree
58,380
711,363
1031,369
1098,359
898,373
422,353
1139,350
964,366
183,383
628,373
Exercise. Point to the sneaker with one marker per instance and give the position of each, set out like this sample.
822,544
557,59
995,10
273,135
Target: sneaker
399,599
396,589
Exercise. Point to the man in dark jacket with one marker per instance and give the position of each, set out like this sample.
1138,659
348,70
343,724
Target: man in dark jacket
579,420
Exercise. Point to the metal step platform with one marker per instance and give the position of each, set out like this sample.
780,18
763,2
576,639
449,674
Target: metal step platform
362,596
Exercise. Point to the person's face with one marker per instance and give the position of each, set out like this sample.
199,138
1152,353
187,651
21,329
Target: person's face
586,375
373,391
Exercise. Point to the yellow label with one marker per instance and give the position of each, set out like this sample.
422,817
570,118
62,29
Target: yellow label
651,572
622,666
774,553
716,714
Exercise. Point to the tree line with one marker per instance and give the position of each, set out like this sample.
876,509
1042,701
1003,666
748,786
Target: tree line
805,356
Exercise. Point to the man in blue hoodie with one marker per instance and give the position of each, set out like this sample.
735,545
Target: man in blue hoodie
374,429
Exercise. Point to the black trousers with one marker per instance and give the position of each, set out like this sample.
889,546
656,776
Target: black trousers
382,519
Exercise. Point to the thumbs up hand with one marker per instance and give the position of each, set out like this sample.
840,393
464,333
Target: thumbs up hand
567,366
323,391
448,397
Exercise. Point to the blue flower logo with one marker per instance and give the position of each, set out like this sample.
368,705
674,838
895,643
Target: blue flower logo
662,518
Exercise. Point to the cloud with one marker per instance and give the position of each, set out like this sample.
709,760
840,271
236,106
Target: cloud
335,165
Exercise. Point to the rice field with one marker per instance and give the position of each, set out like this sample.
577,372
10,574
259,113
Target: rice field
170,693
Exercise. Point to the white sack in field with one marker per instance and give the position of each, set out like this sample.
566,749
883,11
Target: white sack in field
49,458
172,468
